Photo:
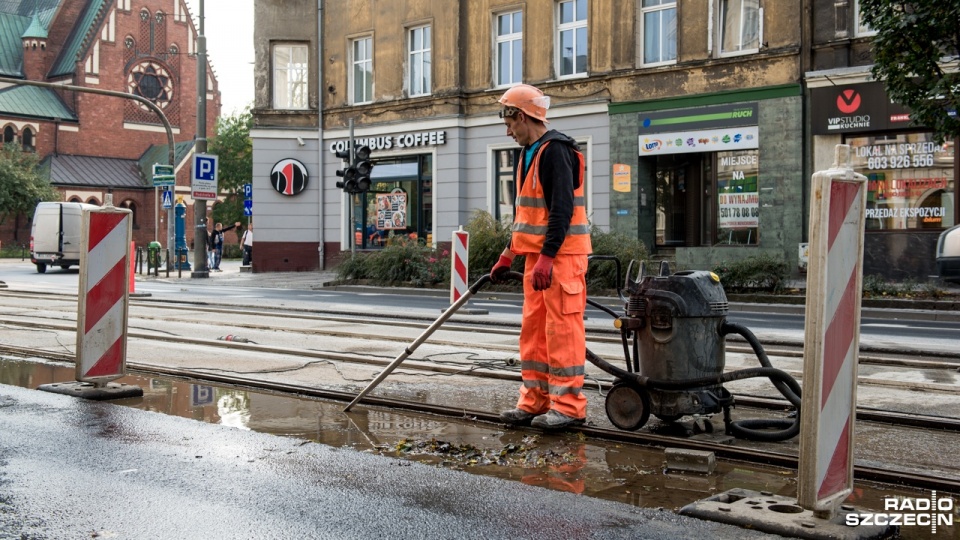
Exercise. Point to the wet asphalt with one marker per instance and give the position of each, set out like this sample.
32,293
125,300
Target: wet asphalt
76,469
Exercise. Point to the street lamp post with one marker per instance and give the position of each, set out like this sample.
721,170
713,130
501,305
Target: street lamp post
200,269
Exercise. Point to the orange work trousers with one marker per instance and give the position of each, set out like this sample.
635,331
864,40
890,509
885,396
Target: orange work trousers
553,344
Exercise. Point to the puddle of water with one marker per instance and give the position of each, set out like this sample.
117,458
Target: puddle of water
568,462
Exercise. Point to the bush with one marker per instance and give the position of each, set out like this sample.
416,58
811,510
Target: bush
488,237
402,261
763,272
602,275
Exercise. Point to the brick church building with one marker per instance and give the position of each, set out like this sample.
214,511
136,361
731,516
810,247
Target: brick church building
92,144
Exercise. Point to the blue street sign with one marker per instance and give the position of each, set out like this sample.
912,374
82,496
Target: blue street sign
201,395
205,167
167,199
248,207
247,191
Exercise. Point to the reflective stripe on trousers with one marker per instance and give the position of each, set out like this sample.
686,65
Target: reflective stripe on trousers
552,342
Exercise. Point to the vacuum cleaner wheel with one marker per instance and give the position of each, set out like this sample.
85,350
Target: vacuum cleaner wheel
628,407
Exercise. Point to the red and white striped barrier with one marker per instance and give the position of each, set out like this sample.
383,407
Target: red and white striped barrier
103,300
459,269
832,342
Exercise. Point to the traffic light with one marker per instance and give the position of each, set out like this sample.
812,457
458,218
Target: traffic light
356,173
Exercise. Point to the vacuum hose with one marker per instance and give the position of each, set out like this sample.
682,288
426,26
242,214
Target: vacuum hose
766,430
752,429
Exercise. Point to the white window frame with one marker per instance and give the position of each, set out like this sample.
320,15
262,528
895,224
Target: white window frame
512,41
572,27
419,58
719,10
586,148
290,81
361,66
664,5
861,29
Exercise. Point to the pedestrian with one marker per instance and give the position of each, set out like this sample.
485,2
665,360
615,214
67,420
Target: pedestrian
246,243
216,244
551,230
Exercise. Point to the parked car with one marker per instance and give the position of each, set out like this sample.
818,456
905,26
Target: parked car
948,254
55,234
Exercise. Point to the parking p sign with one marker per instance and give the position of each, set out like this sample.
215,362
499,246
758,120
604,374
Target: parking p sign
204,176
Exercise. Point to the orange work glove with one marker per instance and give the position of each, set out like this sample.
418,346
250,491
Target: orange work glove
501,268
543,273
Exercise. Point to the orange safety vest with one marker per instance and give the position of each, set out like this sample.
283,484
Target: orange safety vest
530,221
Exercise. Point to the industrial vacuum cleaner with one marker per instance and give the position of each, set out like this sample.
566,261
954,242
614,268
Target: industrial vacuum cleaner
673,330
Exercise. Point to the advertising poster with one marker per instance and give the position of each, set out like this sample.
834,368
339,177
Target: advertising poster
392,210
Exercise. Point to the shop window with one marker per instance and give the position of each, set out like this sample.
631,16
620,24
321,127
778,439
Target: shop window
910,180
290,74
739,26
509,53
419,61
361,76
572,38
659,28
399,203
738,198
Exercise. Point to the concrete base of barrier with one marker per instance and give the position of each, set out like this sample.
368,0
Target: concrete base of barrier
775,514
246,268
91,391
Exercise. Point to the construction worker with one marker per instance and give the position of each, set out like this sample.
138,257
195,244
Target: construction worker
550,229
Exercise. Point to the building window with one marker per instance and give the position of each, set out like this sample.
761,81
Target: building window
572,38
739,26
361,76
29,144
509,53
290,76
863,29
910,180
420,62
659,29
9,134
503,171
152,81
504,188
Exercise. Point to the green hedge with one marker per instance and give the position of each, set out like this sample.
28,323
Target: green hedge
405,261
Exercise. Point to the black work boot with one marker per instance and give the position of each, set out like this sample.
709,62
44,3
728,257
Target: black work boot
553,421
517,417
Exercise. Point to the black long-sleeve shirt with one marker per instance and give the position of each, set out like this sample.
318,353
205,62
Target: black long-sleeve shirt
559,177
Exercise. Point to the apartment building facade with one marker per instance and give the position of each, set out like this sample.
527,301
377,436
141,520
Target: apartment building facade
694,117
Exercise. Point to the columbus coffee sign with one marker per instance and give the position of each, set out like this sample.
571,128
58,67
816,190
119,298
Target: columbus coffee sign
855,108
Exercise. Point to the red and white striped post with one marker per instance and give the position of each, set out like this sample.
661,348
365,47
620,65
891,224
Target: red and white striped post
459,265
102,296
832,341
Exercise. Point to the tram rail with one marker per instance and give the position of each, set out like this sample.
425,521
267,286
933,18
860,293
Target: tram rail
885,474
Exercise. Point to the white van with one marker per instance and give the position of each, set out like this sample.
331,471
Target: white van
948,254
55,234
